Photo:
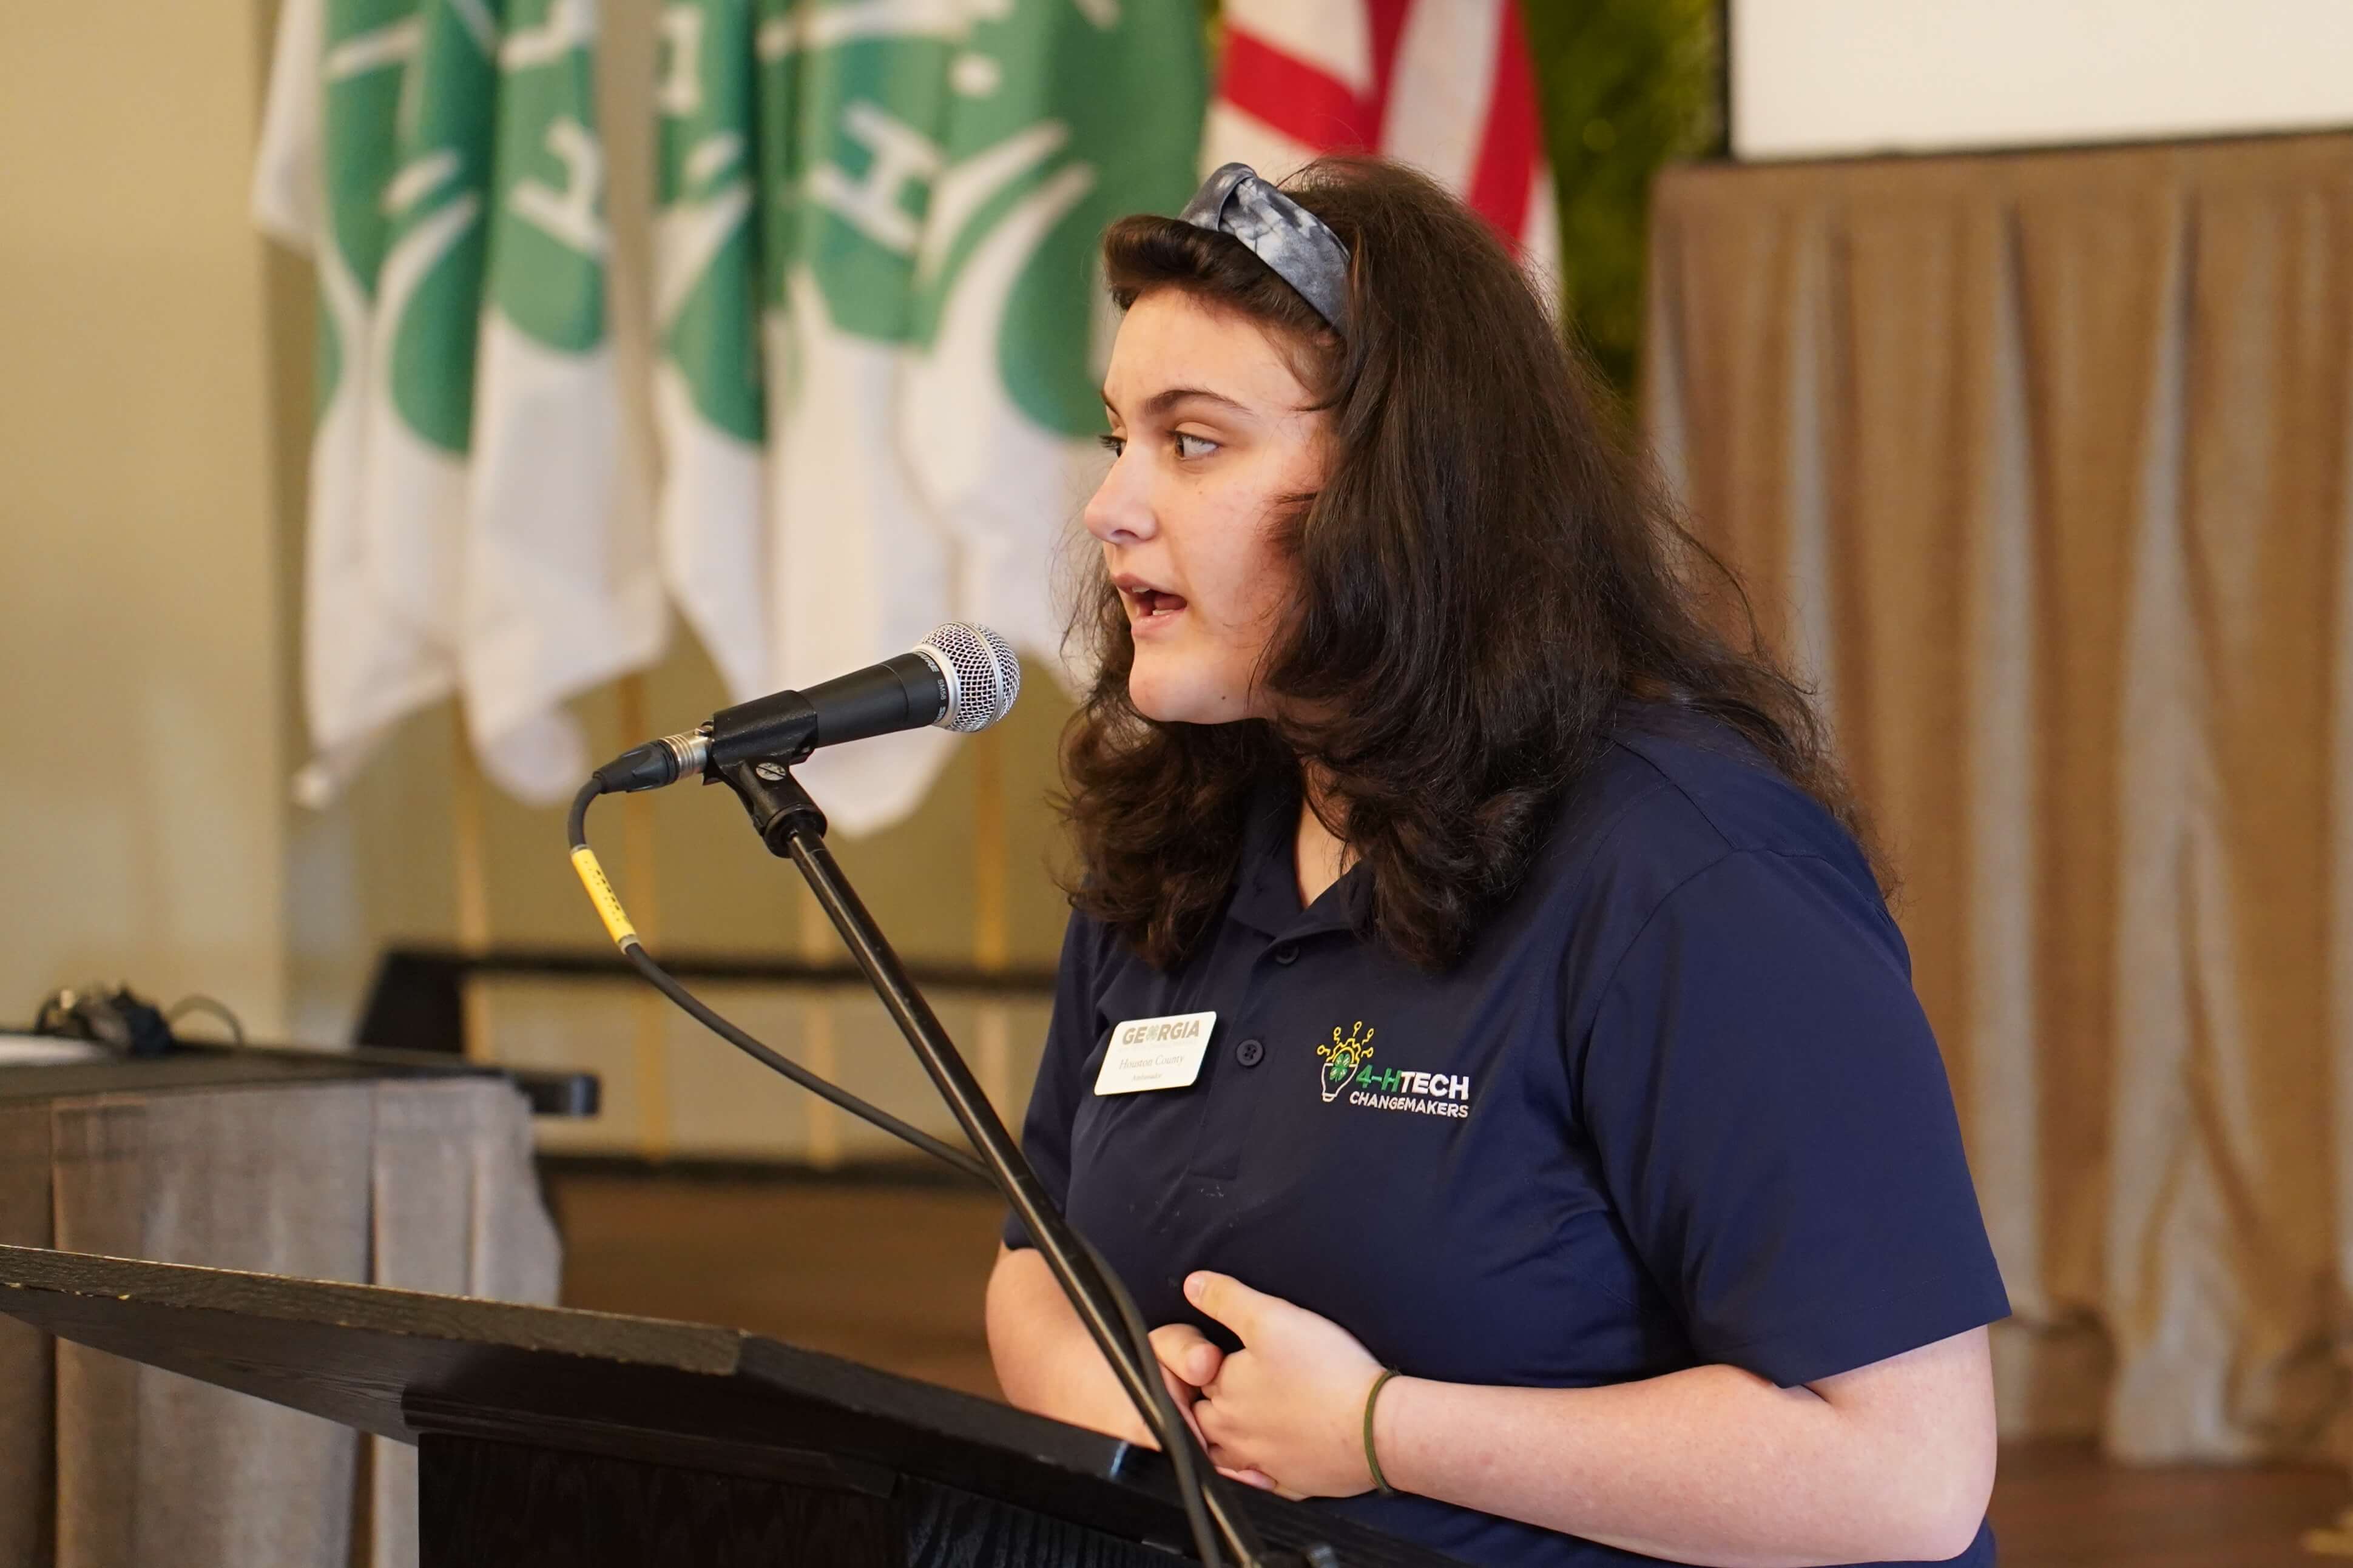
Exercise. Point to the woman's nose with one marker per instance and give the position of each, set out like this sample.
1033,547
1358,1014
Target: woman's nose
1120,512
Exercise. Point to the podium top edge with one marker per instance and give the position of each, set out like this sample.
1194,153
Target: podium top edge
702,1348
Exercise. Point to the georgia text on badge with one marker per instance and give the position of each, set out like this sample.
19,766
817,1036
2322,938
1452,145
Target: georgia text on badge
1155,1053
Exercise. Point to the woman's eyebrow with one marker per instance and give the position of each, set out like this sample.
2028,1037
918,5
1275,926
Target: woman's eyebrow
1169,398
1161,402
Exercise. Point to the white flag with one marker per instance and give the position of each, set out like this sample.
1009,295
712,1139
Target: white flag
560,591
326,158
937,177
708,392
471,526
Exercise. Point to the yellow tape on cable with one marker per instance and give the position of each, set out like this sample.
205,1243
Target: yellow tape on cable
600,893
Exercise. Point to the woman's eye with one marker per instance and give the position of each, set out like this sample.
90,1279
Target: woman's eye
1189,445
1115,444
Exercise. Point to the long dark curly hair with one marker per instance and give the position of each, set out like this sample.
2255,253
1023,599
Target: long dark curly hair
1489,568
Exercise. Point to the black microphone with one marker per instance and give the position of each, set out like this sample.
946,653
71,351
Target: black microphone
962,678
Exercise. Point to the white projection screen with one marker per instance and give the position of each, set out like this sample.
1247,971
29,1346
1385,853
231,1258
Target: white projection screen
1814,79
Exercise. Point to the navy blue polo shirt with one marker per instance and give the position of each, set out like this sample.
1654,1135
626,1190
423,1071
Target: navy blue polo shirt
1677,1106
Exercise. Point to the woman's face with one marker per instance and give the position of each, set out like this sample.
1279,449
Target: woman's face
1211,432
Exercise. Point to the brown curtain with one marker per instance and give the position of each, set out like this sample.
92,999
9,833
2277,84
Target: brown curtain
2036,465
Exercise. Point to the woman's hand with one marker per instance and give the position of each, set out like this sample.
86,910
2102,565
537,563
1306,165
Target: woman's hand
1046,1362
1290,1404
1189,1358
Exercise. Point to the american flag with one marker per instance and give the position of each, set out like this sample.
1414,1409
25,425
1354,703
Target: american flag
1445,85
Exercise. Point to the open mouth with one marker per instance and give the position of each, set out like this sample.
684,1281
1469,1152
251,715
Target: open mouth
1146,602
1151,603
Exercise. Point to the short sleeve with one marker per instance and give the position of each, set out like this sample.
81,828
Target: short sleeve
1774,1123
1055,1099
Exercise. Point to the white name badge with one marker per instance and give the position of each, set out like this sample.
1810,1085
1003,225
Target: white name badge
1155,1053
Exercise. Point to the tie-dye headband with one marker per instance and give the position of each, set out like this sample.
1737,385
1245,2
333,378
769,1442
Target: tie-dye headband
1281,232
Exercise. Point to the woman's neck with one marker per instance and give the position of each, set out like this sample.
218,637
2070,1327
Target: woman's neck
1319,855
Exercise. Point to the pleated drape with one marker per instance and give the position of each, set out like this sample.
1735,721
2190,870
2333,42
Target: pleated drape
2035,466
104,1463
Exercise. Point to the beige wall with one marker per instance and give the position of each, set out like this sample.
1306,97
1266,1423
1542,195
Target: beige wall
1814,79
155,423
140,831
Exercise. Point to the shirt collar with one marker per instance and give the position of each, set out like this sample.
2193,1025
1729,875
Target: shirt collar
1266,881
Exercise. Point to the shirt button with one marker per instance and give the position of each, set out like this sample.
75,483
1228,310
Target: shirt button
1249,1053
1286,954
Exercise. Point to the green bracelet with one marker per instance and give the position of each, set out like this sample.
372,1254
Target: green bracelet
1372,1460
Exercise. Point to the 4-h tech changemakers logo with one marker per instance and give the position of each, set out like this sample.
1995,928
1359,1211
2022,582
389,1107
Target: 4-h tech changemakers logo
1347,1061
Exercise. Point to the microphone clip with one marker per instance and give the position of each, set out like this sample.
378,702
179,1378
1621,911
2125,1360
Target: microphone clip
775,802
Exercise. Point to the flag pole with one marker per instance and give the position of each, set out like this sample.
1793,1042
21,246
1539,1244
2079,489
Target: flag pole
637,865
468,837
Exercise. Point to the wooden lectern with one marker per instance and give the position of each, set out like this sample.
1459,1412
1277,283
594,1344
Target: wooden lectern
572,1439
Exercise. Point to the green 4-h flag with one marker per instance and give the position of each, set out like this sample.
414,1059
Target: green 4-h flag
327,154
707,376
908,194
562,591
473,525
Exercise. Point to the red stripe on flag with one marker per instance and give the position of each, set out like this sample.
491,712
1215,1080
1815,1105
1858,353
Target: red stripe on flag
1511,144
1302,102
1384,27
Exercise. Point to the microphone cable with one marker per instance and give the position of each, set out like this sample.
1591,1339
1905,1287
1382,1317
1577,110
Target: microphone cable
1175,1443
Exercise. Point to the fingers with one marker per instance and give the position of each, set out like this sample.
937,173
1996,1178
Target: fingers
1209,1420
1186,1397
1218,1441
1230,1301
1187,1360
1187,1352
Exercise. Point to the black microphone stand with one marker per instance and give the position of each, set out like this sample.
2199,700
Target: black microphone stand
792,827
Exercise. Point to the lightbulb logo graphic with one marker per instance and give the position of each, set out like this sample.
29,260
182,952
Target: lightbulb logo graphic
1343,1060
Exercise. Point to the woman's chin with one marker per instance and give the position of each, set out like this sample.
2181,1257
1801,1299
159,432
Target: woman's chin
1171,698
1154,702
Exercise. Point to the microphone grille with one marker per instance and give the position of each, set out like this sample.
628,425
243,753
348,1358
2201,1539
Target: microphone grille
984,675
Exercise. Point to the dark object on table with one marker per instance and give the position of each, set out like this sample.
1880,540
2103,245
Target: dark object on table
155,1059
117,1018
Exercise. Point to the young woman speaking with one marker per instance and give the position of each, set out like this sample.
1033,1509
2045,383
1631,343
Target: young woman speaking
1482,1047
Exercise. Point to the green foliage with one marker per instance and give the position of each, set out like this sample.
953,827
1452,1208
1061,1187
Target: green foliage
1626,86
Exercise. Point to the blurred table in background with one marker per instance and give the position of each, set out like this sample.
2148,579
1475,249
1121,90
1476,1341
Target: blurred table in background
324,1166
